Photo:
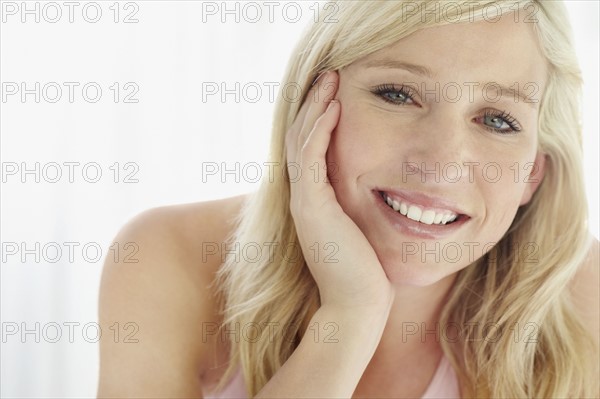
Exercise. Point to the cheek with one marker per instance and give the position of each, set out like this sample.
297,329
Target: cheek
352,150
502,203
353,158
501,195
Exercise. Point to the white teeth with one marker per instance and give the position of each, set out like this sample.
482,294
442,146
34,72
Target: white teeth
417,214
403,208
414,213
427,217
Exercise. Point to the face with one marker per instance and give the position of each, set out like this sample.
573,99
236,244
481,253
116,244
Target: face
443,126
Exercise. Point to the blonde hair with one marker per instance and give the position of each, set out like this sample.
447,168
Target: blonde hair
500,287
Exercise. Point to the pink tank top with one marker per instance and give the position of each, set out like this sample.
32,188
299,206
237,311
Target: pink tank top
444,384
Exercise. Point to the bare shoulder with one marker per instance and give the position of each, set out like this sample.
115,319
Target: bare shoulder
585,289
156,299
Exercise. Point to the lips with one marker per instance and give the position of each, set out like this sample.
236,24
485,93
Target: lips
419,215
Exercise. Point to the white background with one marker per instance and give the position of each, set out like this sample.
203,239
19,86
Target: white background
164,140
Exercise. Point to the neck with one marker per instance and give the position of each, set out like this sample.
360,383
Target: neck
411,329
409,351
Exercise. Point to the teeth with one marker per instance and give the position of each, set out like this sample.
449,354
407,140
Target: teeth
427,217
403,208
417,214
414,213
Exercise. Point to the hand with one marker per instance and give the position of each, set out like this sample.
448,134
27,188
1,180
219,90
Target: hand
353,277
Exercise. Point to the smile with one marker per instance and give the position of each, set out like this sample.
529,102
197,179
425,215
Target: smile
418,213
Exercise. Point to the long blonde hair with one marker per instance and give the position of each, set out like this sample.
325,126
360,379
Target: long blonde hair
516,295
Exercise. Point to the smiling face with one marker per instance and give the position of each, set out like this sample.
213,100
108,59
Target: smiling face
443,126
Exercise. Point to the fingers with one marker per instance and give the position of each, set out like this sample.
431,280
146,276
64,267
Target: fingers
315,147
293,132
307,142
321,118
316,190
319,96
318,100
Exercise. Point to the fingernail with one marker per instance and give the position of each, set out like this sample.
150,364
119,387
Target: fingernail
331,103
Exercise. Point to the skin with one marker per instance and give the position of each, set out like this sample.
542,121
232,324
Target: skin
373,138
167,294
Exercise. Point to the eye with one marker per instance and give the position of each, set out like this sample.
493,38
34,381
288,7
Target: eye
499,122
401,95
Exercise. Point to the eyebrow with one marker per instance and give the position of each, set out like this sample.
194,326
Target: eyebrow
393,64
426,72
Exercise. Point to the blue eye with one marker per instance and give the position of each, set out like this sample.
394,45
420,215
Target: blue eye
500,122
495,121
399,96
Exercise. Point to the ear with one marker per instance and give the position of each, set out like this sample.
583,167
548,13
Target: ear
536,176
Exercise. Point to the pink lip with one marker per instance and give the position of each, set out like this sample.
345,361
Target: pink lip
406,226
424,201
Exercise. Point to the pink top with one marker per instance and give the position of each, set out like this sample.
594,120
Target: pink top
444,384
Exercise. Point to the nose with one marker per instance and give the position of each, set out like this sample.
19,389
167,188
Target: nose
440,148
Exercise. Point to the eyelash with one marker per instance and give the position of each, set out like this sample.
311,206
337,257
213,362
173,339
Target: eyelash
506,117
387,87
409,92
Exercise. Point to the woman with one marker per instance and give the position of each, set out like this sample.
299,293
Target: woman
444,253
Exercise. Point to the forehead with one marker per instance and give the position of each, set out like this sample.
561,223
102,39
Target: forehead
504,51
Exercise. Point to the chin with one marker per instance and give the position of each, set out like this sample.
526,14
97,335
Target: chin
414,274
